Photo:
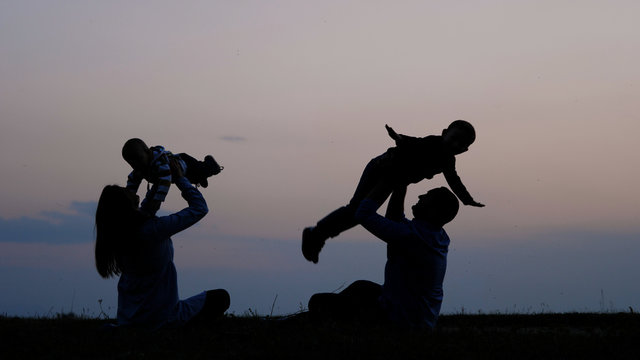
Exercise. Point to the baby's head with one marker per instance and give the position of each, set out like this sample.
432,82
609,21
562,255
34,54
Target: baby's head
137,154
437,207
458,136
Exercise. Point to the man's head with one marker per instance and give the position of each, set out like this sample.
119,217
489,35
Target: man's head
438,206
137,154
458,136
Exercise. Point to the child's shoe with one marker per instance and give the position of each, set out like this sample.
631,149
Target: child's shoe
311,244
213,168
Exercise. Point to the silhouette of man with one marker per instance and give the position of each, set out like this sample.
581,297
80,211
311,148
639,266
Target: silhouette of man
412,292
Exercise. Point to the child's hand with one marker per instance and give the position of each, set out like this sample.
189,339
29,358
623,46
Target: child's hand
392,133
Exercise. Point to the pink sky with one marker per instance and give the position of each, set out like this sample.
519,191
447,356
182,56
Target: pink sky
292,99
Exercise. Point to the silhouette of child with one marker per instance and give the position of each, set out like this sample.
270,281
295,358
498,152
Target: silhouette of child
410,161
153,164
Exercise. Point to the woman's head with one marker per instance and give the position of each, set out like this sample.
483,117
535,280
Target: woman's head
117,216
117,200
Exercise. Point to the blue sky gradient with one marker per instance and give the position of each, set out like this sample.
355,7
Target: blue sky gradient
569,270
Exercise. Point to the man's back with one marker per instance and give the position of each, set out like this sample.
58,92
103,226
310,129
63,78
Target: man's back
414,273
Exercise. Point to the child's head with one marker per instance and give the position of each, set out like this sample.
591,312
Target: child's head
137,154
438,206
458,136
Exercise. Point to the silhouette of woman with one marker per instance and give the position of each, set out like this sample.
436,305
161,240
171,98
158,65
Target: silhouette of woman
137,246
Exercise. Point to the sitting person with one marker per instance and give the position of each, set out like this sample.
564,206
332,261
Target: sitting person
412,292
137,246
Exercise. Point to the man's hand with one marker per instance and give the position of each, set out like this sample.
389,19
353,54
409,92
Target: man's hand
395,208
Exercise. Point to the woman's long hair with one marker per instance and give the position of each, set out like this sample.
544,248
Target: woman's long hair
117,219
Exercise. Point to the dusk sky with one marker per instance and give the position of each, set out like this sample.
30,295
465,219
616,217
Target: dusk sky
291,97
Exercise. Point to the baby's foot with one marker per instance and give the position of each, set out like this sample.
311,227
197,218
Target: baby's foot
212,166
311,245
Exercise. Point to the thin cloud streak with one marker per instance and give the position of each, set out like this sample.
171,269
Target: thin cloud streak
233,138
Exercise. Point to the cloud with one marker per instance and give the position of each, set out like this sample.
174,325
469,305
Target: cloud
52,227
233,138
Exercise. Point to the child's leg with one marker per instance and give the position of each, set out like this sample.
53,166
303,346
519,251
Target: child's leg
198,171
194,168
343,218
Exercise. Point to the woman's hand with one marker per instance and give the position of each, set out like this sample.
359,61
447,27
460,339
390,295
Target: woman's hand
176,169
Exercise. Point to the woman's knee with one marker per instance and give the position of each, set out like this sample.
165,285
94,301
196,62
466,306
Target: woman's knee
218,300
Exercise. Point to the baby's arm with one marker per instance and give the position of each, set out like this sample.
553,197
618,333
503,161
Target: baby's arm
163,182
159,188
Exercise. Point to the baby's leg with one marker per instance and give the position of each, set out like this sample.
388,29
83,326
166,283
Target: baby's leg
198,171
343,218
193,165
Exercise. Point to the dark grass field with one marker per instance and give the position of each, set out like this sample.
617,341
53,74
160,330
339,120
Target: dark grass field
537,336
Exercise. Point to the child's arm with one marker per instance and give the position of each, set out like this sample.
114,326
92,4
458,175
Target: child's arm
458,187
401,139
162,169
161,177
